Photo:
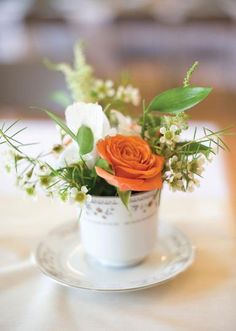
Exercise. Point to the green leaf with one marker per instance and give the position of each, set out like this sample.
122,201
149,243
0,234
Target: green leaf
57,120
101,163
178,99
195,147
124,196
85,139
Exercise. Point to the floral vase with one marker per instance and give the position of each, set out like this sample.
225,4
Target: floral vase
116,236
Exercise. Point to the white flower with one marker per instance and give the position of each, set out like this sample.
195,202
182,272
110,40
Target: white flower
125,125
84,189
201,161
163,130
178,175
200,167
169,135
109,88
176,138
88,114
81,196
92,116
191,186
173,128
41,170
196,182
103,89
30,189
128,94
168,174
174,158
177,185
196,166
10,159
69,156
73,191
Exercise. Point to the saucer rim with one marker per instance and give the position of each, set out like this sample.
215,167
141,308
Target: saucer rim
170,227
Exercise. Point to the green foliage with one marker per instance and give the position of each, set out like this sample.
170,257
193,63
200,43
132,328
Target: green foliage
124,196
101,163
61,123
150,124
193,148
76,175
85,140
178,99
79,78
14,144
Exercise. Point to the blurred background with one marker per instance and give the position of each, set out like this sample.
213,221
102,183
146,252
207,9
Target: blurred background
154,40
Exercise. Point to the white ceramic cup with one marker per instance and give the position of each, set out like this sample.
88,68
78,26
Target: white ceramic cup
118,237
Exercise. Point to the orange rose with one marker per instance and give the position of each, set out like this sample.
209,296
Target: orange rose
134,165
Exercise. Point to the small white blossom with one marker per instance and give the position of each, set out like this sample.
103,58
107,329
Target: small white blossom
163,130
197,182
30,190
69,156
124,124
181,173
173,128
128,94
178,175
177,185
180,121
10,159
192,184
81,196
103,89
196,166
41,170
84,189
174,159
169,136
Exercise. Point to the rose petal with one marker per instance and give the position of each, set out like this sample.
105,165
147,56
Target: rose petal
126,184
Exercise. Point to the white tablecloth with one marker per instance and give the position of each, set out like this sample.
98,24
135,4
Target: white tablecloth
203,298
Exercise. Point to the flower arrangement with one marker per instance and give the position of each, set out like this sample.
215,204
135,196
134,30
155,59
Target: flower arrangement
103,152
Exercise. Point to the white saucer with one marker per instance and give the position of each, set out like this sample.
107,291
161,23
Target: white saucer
61,257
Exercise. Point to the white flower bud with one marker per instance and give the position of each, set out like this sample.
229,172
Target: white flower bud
163,130
173,128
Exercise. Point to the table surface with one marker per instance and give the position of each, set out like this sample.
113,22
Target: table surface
203,298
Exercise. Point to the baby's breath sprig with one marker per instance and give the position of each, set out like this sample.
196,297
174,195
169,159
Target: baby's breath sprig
79,78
